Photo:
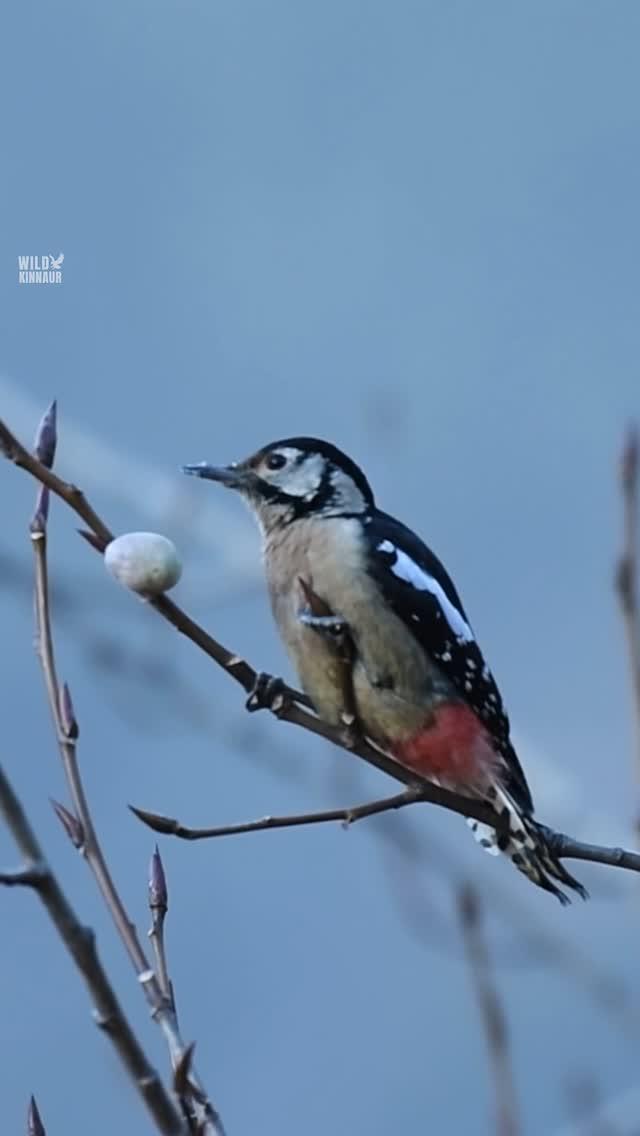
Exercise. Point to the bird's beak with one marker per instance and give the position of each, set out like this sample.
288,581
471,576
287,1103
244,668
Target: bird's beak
233,476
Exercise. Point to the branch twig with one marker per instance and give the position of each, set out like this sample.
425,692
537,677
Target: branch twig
80,943
158,897
171,827
493,1018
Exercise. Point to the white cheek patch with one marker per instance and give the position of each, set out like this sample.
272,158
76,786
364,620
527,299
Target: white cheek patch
406,569
302,480
346,495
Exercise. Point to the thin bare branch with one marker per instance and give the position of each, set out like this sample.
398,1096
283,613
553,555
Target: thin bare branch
185,1082
492,1013
80,943
66,729
170,827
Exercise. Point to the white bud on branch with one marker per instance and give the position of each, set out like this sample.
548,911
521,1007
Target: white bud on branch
145,562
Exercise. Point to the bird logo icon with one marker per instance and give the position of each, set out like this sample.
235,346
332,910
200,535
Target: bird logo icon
56,262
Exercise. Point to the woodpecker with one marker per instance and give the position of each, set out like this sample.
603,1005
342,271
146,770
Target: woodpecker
421,688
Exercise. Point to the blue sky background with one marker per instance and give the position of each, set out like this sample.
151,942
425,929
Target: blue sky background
412,229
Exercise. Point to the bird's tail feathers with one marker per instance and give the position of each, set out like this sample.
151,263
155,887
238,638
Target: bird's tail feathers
526,846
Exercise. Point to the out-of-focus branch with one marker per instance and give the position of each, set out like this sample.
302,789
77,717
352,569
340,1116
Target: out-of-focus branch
628,573
492,1013
171,827
205,1116
80,943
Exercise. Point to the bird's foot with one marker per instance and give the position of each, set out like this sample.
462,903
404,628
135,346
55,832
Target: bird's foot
316,613
269,693
334,627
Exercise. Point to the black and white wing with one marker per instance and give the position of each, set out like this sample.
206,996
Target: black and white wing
417,587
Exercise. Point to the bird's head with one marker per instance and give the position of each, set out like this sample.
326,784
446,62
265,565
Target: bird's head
294,478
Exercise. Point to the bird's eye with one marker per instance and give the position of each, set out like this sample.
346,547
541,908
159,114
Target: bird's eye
276,461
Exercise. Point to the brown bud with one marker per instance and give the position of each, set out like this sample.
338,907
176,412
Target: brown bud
67,715
70,823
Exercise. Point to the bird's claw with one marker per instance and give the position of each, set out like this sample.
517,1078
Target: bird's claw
269,693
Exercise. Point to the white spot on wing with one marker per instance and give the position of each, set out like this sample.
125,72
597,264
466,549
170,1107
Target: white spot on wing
406,569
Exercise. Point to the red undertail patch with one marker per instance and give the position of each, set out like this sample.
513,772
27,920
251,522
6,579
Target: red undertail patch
455,749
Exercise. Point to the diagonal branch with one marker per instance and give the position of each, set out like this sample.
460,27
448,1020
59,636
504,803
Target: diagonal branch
80,943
